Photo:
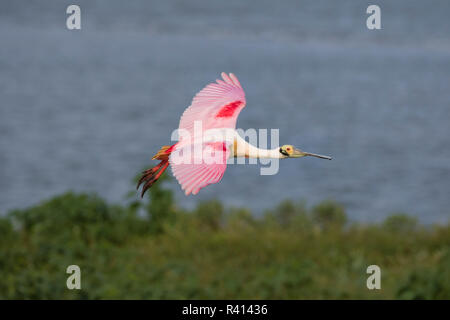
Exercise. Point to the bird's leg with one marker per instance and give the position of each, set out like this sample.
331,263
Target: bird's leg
150,175
153,176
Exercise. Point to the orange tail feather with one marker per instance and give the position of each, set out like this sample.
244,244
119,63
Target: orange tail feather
151,175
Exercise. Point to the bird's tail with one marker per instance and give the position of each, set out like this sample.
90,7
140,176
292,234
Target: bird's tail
151,175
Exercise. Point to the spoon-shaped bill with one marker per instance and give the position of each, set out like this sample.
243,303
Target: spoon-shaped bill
317,155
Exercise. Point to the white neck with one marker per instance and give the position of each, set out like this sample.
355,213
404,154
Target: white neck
243,149
265,153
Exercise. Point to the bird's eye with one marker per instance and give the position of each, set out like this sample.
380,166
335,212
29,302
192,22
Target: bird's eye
288,149
283,152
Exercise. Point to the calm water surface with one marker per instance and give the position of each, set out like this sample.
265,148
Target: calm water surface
85,110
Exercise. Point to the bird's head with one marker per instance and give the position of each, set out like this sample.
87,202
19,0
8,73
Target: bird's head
289,151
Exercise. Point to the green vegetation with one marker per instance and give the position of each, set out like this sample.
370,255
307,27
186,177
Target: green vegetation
153,249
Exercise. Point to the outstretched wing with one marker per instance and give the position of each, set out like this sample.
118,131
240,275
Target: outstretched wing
217,105
196,166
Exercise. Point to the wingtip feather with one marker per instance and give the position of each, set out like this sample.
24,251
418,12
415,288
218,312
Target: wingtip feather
235,80
226,78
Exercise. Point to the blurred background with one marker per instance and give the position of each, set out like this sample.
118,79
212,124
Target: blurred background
84,111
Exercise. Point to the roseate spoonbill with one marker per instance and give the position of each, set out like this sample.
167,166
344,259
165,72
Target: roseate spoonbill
215,110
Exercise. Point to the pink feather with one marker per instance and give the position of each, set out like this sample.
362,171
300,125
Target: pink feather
217,106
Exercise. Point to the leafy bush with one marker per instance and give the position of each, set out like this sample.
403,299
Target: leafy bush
210,214
401,223
214,252
427,282
329,214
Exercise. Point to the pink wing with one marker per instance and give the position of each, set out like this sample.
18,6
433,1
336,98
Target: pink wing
194,175
217,105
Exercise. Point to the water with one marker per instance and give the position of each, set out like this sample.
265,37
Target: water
85,110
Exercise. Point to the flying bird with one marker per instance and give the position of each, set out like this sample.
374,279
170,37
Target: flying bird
198,160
